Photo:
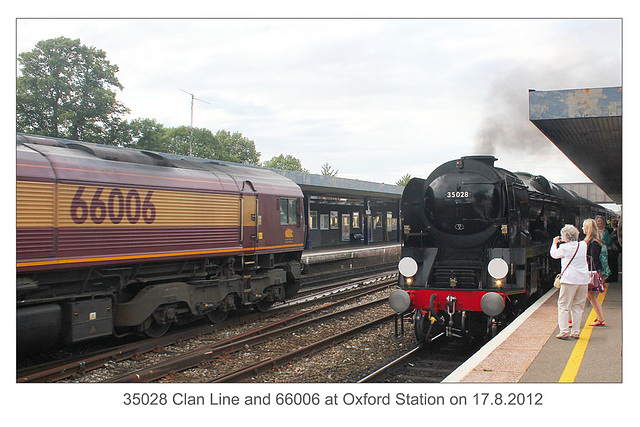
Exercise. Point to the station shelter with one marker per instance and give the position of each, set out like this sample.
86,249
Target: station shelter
346,212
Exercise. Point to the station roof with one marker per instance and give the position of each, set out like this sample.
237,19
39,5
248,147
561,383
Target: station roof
334,186
586,125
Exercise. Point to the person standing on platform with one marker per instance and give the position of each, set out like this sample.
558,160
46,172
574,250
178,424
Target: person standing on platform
574,280
614,250
594,249
603,233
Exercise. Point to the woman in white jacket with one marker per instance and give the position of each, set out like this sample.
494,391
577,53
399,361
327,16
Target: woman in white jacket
574,280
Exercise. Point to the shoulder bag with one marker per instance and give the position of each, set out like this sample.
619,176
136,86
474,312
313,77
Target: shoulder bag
556,282
596,284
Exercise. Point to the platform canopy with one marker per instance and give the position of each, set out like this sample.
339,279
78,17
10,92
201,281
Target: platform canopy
586,125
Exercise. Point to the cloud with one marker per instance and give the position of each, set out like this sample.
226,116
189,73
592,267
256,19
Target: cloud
374,98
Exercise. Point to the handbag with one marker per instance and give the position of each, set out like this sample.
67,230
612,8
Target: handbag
596,284
557,282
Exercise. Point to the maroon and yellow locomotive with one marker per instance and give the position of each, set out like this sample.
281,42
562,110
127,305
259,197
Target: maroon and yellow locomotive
113,240
476,245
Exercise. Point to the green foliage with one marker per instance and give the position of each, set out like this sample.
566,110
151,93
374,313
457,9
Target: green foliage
233,147
147,134
287,162
404,180
180,141
67,90
328,170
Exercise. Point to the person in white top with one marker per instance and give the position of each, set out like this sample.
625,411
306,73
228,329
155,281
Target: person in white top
574,280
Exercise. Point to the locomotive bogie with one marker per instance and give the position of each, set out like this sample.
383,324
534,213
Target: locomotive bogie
202,296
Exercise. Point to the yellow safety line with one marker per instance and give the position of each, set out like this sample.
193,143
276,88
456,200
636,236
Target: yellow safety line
575,360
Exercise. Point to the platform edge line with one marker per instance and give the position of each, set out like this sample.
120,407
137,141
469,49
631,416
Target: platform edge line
468,366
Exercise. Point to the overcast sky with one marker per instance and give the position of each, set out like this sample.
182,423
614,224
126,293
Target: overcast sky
375,98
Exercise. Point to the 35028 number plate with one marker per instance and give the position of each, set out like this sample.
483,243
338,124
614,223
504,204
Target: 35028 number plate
458,194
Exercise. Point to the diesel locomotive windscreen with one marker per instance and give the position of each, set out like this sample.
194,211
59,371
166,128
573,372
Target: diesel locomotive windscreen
463,203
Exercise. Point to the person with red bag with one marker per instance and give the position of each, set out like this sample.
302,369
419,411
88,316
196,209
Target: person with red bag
594,246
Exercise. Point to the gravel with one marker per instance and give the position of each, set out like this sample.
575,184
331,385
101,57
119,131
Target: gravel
345,362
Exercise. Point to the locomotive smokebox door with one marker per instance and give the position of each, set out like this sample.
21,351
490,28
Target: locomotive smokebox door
88,319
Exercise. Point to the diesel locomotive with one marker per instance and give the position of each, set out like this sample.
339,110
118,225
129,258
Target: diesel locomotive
112,240
476,244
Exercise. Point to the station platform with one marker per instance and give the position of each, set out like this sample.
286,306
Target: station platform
527,351
336,253
340,258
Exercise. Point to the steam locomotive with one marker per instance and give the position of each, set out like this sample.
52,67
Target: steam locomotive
475,249
113,241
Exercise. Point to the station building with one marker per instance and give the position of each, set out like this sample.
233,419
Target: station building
342,212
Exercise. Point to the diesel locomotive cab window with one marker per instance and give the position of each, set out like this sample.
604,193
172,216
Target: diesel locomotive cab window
462,203
288,211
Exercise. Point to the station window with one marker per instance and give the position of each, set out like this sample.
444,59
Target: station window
324,221
288,211
313,220
356,220
334,220
392,223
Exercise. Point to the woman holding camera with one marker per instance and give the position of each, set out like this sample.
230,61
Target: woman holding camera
574,280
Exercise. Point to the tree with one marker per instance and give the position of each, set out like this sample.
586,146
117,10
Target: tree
404,180
328,170
148,134
67,90
179,142
287,162
235,148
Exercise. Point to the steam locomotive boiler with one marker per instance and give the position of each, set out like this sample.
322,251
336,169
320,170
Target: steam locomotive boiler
475,246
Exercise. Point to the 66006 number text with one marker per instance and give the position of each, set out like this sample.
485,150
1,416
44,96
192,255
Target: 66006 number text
115,208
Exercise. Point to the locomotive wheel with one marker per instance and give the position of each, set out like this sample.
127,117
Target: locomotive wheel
421,326
154,329
217,316
263,305
160,321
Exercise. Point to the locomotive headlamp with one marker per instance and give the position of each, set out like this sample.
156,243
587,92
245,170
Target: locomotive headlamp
498,268
408,267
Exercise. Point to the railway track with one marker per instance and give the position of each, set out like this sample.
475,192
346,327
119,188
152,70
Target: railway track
77,367
282,329
246,372
422,365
